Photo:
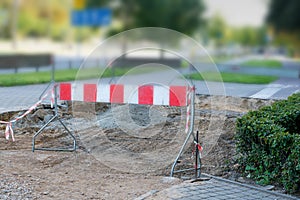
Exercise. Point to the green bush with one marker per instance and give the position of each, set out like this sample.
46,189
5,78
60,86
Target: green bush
268,141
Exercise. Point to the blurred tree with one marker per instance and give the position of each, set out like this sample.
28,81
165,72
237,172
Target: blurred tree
181,15
223,34
184,16
96,3
216,29
45,18
50,18
262,37
5,20
284,15
247,36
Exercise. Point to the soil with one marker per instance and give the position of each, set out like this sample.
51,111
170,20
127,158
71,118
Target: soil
122,152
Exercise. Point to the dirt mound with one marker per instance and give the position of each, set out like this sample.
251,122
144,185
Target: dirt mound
123,151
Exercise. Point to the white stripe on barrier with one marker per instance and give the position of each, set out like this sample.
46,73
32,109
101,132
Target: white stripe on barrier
161,95
103,93
77,92
131,95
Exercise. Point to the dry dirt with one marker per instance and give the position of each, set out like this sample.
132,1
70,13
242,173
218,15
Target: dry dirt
110,163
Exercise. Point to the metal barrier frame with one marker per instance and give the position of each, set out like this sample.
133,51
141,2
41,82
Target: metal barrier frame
55,117
190,100
188,136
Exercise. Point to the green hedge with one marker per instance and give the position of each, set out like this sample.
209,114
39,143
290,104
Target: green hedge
268,142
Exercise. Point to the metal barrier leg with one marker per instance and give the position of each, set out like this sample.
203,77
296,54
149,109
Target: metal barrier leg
40,131
54,149
70,133
197,157
189,134
180,153
55,117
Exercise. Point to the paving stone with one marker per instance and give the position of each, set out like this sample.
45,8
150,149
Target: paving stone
220,189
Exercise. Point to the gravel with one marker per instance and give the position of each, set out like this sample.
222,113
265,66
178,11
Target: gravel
13,188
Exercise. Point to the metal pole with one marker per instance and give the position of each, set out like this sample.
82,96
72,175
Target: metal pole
51,82
53,72
197,154
55,100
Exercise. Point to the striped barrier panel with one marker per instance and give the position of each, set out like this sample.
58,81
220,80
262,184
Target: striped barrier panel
125,94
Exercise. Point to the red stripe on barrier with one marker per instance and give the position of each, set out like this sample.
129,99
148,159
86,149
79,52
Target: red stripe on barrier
177,96
146,94
116,93
65,91
90,92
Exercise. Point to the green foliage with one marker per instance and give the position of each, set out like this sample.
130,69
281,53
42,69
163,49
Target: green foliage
286,24
263,63
184,16
216,29
223,34
233,77
96,3
249,36
67,75
289,17
45,77
43,18
268,141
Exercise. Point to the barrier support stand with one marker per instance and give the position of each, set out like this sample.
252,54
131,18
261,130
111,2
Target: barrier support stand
197,156
188,136
55,117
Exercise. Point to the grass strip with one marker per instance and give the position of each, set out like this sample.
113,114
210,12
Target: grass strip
60,75
268,63
233,77
68,75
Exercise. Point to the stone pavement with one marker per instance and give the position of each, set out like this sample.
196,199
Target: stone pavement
215,189
19,97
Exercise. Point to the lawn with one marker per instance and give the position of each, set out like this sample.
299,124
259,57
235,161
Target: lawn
90,73
67,75
233,77
45,77
263,63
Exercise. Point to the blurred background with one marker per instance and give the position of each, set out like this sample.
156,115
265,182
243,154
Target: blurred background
71,29
254,25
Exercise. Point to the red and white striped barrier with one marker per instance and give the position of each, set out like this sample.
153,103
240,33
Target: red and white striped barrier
116,93
125,94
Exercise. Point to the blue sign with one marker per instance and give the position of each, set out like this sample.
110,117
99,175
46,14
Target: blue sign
91,17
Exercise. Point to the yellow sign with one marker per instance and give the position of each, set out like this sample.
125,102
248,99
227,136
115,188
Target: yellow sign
78,4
